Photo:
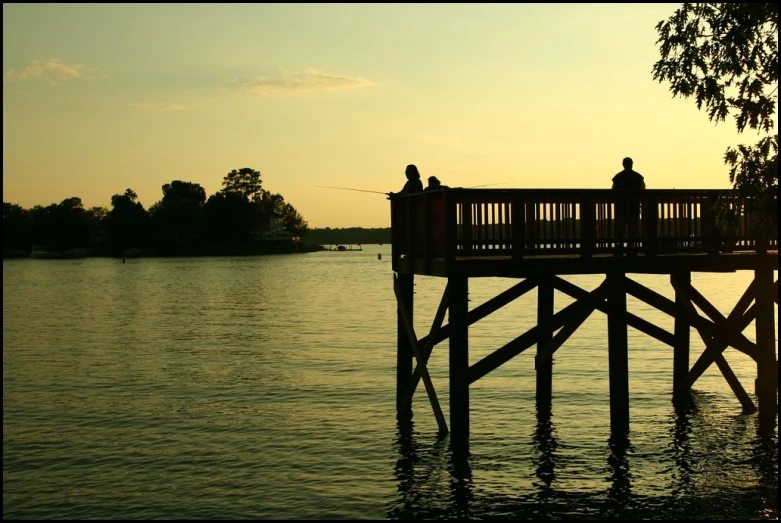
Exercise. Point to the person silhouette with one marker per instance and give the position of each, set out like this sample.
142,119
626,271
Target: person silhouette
627,203
413,184
434,183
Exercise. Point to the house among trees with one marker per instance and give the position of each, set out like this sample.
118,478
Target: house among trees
272,227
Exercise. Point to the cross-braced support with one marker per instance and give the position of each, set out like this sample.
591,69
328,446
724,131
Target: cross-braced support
716,331
404,300
686,296
407,379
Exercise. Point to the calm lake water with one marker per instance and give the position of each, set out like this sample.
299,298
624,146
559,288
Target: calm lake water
264,387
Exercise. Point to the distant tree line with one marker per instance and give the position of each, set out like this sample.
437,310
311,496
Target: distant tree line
183,217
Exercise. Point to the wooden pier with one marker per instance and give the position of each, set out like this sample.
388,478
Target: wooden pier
538,235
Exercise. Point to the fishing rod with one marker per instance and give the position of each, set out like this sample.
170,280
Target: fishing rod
385,193
486,185
349,189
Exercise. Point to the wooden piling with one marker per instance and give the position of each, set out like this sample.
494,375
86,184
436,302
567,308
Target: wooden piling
767,365
618,354
459,364
545,322
681,343
406,283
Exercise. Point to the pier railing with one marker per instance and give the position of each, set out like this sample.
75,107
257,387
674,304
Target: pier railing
454,223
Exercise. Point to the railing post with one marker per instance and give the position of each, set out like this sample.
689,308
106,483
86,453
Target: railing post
587,226
710,236
398,228
761,238
651,219
426,232
531,234
518,227
451,224
411,231
466,216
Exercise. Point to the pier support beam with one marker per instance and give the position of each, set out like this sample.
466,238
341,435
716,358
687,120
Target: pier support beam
406,285
618,353
767,364
545,323
682,335
459,364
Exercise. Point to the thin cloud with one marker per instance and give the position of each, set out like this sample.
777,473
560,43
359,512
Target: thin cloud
160,108
303,81
51,70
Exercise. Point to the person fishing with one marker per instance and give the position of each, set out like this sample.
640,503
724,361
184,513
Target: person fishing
413,184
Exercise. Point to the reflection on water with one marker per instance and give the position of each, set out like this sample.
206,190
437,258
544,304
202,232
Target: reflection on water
545,445
422,469
764,460
680,432
264,388
620,491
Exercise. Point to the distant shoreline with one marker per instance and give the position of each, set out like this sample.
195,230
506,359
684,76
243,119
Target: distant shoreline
170,251
248,249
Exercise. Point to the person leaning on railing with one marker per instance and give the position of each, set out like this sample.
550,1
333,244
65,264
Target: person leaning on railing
627,204
434,184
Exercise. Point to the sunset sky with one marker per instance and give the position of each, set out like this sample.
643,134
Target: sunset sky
101,98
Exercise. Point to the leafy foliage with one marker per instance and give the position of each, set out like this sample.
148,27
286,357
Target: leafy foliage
178,190
179,216
725,55
128,221
245,181
228,217
17,226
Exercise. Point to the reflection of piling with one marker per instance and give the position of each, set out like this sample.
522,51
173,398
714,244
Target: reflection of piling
379,256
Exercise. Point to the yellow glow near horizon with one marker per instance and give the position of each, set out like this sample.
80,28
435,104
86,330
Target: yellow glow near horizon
99,98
